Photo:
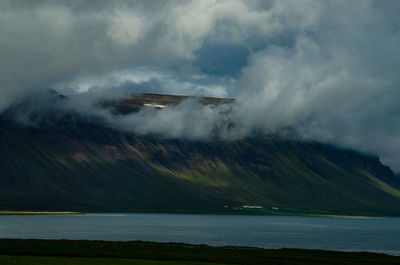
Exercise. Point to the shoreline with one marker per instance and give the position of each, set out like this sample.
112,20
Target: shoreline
331,215
40,213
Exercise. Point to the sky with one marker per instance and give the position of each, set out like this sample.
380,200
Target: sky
323,71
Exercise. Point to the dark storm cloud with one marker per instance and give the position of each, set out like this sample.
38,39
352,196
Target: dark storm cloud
326,69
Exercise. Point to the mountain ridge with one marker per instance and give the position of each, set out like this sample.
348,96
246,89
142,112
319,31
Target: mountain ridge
69,165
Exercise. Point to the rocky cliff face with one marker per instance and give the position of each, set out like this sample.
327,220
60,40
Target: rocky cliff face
81,166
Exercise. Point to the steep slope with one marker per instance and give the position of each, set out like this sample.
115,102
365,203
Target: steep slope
82,166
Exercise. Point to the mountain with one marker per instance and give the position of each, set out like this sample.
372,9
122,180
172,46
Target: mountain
71,164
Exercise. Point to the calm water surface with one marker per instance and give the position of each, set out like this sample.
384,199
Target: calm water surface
349,234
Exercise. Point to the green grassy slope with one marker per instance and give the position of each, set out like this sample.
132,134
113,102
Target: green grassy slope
72,164
85,167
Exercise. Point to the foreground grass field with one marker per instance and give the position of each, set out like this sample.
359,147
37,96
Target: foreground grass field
31,260
79,252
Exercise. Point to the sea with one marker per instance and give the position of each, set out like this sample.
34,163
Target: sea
381,235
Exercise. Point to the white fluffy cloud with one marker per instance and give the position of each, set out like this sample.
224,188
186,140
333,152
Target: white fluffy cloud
45,42
338,84
326,69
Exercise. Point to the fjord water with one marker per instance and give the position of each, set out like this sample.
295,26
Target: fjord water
347,234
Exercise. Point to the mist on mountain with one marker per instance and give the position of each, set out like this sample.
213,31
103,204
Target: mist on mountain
317,71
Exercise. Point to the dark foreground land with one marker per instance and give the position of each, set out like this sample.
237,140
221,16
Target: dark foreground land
55,252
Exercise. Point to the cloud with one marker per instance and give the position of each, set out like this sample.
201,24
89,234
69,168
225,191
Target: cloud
189,119
144,80
338,84
45,42
326,70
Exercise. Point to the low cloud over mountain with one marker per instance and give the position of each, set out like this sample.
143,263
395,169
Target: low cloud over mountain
325,71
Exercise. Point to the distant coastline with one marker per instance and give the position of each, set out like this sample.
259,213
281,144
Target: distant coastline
2,212
245,211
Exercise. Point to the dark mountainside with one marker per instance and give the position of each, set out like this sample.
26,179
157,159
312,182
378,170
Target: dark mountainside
74,165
